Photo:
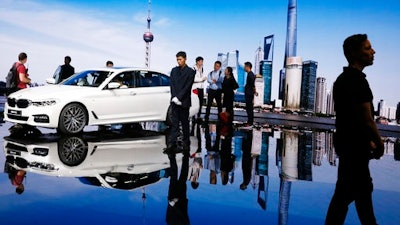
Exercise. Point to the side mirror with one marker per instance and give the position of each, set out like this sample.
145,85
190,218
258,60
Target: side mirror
51,81
113,85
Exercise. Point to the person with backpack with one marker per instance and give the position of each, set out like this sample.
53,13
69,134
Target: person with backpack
18,77
214,79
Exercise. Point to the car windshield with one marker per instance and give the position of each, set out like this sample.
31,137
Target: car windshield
89,78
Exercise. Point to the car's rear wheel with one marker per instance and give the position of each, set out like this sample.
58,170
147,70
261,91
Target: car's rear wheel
73,118
72,151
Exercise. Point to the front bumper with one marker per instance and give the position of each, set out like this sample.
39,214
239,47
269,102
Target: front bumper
23,112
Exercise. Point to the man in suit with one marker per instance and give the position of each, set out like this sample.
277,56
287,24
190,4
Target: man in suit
181,81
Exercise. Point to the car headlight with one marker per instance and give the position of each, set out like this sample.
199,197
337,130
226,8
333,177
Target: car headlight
48,102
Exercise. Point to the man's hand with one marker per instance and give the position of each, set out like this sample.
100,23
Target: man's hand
377,149
176,101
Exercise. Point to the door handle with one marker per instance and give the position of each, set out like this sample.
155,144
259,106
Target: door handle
133,93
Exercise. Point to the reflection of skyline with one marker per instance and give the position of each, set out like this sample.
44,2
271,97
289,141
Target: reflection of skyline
323,147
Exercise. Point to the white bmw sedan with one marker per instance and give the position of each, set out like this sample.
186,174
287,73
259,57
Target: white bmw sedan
95,97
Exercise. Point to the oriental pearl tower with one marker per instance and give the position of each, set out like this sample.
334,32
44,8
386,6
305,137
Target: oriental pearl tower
148,38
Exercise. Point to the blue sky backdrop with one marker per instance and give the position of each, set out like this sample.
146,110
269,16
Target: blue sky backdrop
92,32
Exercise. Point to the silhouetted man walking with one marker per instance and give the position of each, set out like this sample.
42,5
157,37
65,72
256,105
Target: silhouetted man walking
356,139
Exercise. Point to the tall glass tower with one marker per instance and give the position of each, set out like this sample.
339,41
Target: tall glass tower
309,75
266,67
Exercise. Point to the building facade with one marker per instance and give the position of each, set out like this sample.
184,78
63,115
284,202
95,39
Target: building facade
266,72
320,96
293,83
309,75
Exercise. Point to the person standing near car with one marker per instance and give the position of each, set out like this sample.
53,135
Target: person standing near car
181,82
109,64
356,138
66,70
22,72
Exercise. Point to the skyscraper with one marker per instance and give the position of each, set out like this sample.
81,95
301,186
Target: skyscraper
266,72
309,75
293,83
330,106
320,96
381,107
266,67
258,58
398,113
290,45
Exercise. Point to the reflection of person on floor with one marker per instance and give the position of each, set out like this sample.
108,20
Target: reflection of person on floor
177,209
227,158
247,159
195,169
212,159
356,139
17,177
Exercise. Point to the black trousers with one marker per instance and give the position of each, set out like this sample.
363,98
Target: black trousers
354,184
200,94
250,108
179,117
213,94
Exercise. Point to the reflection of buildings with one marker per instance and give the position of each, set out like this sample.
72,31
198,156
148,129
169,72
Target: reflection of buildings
305,156
323,146
260,179
319,148
396,150
289,155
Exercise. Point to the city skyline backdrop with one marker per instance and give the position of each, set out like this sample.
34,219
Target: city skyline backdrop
92,32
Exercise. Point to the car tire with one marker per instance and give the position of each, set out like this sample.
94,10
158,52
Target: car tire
72,150
73,119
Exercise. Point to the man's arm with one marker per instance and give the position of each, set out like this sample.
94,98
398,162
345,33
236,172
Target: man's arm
372,130
188,82
209,78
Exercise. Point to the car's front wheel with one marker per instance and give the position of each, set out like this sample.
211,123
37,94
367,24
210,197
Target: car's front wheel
73,118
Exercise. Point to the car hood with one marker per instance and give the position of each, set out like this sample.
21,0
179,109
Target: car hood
51,91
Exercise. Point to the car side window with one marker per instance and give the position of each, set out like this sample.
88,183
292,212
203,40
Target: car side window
164,80
152,79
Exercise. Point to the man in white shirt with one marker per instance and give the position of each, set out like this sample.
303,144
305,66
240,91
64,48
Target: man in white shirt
199,79
215,79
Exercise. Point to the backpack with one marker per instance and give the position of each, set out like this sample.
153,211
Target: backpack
12,77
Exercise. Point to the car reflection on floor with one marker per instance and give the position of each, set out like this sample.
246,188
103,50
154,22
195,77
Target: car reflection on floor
112,159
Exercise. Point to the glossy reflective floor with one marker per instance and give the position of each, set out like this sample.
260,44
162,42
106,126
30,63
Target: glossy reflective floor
271,175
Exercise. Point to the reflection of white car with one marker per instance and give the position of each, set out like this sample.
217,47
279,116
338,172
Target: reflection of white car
107,159
94,97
